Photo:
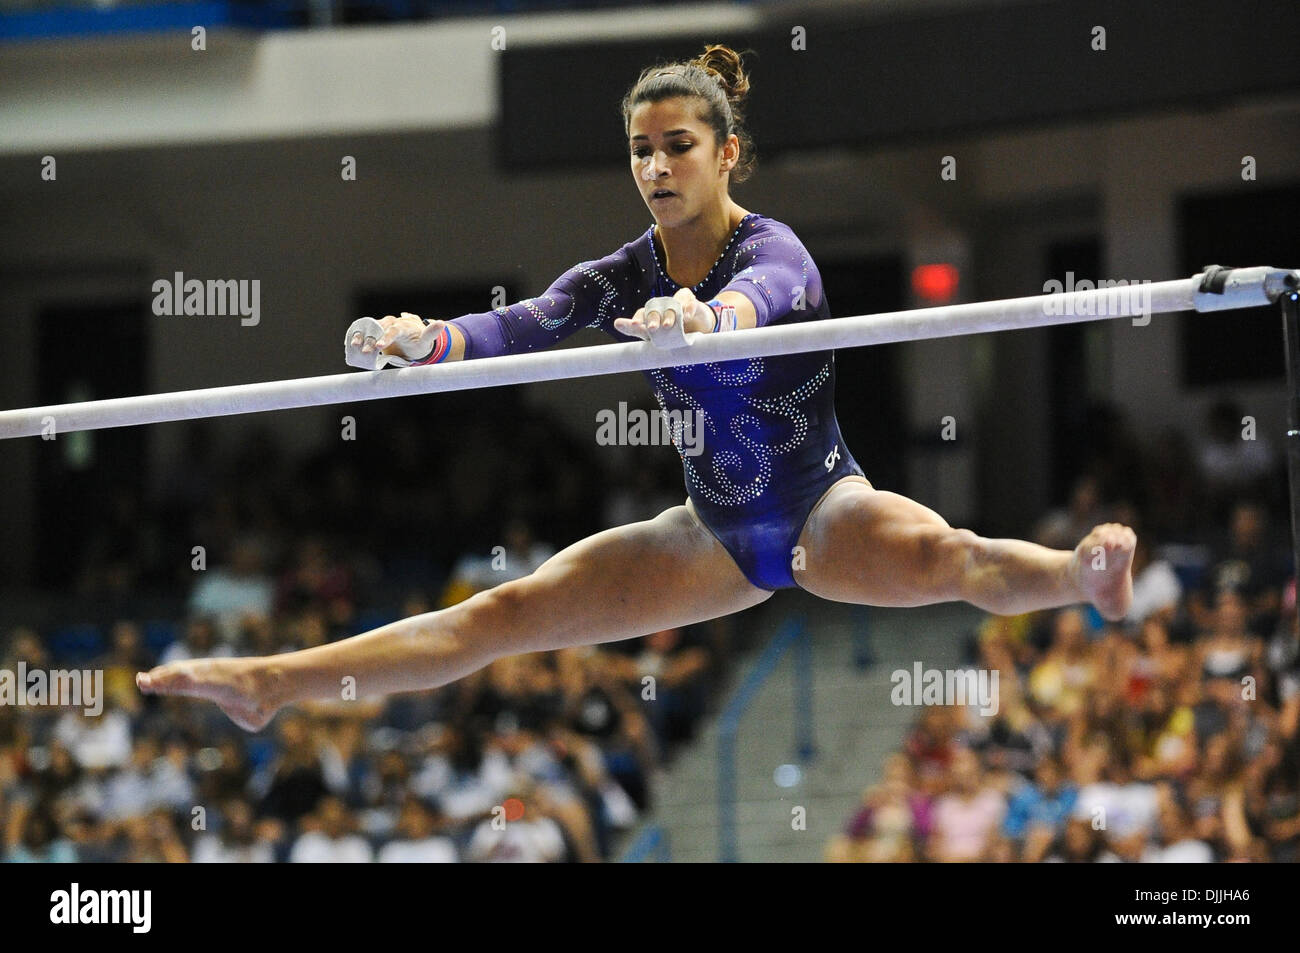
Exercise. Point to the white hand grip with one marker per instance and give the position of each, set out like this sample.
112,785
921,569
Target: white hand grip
375,360
668,338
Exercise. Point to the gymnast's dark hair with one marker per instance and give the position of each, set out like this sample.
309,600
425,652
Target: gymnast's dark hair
717,77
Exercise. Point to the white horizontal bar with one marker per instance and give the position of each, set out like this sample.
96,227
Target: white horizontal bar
1138,301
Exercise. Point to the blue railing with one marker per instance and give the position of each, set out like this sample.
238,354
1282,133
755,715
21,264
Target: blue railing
79,17
863,655
73,20
792,633
652,842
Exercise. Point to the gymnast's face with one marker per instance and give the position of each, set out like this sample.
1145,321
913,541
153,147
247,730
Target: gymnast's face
672,149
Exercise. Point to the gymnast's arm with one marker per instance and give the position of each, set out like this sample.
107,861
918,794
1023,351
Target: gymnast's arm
775,277
531,324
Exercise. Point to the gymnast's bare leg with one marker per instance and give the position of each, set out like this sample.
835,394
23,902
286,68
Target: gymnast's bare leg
878,548
624,582
859,545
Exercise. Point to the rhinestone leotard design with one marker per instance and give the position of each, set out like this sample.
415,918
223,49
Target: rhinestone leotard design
771,445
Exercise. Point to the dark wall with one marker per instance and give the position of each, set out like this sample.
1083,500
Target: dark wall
871,81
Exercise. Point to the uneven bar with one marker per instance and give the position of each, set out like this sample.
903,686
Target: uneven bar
1209,291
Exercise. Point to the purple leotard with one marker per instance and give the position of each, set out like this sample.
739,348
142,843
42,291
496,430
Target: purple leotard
771,445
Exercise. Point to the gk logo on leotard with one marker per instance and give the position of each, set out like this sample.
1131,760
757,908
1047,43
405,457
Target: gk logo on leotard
831,457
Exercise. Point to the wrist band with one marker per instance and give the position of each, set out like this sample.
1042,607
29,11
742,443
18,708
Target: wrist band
441,348
724,316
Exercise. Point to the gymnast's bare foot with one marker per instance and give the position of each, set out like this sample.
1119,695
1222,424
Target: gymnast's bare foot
1102,566
242,688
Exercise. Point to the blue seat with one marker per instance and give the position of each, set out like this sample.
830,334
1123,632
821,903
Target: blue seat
260,750
368,619
159,635
76,643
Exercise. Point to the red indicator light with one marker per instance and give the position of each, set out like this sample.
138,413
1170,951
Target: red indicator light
936,284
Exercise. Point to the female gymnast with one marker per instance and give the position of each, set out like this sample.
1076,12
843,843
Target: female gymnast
775,500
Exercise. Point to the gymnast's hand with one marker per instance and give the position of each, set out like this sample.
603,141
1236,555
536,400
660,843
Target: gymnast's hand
406,337
697,316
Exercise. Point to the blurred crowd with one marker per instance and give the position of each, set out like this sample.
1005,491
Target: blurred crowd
544,757
1168,737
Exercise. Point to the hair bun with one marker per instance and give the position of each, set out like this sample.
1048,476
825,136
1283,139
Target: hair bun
724,63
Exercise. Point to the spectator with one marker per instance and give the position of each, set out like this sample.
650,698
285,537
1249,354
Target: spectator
1063,528
127,656
1166,734
1156,589
520,555
1079,843
40,843
1039,809
1062,679
128,792
96,742
567,778
382,788
1155,660
315,578
930,749
966,819
199,641
328,837
1122,806
1178,843
24,644
534,838
891,821
224,773
229,592
1214,791
1232,458
601,709
1276,812
679,671
1250,563
294,782
416,841
238,841
152,838
452,772
1228,650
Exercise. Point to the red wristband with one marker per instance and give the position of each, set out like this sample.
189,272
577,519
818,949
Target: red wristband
724,316
441,348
